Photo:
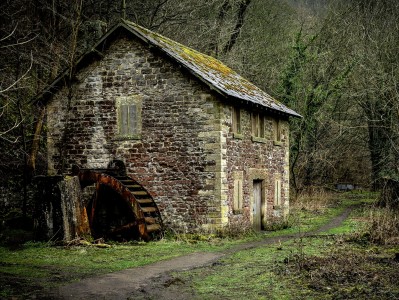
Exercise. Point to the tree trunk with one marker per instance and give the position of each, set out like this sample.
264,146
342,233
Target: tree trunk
390,194
237,29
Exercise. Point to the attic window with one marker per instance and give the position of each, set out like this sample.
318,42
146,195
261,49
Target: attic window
129,117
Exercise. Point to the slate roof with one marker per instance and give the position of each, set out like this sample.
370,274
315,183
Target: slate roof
209,70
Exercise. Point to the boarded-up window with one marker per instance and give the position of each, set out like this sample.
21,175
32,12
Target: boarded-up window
236,120
128,120
237,207
238,194
258,125
277,192
129,116
276,130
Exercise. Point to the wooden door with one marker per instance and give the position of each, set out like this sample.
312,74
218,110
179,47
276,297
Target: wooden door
257,205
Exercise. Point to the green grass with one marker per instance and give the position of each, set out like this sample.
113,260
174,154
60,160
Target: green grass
40,266
89,260
362,202
309,268
334,266
301,221
43,266
253,274
354,223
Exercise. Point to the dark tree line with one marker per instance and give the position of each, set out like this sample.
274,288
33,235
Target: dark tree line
335,62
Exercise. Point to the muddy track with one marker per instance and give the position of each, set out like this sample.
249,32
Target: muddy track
155,282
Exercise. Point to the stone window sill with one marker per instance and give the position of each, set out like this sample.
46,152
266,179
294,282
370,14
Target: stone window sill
237,211
278,143
259,139
238,136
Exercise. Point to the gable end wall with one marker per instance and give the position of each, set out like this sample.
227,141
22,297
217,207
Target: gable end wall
178,158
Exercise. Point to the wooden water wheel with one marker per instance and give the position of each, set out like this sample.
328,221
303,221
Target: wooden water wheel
121,208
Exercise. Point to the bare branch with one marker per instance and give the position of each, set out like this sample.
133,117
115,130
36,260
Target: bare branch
2,91
11,34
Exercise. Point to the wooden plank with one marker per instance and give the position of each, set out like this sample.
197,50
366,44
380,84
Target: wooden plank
139,193
145,201
150,220
153,227
134,186
149,209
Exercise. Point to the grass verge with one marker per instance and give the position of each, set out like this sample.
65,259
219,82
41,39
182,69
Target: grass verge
38,267
311,268
35,268
342,264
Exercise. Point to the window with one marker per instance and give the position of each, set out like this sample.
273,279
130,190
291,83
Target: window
277,193
128,124
238,192
129,117
258,125
276,130
237,206
236,120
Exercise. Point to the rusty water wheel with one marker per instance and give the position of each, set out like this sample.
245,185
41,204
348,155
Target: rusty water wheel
121,208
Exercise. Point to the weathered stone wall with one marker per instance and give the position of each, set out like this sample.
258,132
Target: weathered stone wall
186,155
178,154
257,159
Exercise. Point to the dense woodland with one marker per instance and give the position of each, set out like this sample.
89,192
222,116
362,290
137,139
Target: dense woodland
334,62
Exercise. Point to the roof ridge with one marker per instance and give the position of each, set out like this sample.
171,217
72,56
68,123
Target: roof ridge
211,70
208,69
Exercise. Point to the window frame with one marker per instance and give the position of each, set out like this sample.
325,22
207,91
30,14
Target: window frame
128,129
236,124
258,127
277,132
277,193
238,192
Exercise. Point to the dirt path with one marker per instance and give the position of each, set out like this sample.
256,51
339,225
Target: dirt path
154,282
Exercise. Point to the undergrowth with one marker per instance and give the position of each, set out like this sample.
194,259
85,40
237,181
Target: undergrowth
347,271
316,201
382,226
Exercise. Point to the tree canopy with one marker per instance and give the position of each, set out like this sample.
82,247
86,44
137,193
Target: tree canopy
334,62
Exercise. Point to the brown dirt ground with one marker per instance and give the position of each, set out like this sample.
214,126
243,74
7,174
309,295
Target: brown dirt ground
154,281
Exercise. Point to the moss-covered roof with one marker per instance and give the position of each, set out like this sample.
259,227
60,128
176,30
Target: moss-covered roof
210,70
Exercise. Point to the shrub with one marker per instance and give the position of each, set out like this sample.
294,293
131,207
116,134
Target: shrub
383,226
314,200
236,229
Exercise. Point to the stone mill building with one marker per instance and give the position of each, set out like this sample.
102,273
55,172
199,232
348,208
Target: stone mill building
208,147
